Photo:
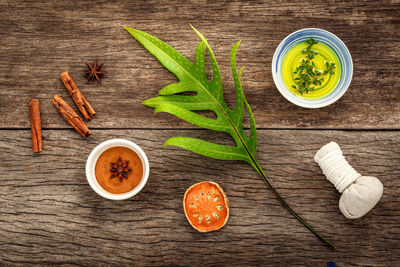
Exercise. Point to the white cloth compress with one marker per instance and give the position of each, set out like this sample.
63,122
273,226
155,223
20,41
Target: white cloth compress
359,193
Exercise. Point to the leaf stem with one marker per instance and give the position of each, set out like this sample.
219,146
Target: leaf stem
262,174
182,68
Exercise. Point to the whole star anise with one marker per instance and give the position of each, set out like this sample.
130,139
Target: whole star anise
120,169
95,71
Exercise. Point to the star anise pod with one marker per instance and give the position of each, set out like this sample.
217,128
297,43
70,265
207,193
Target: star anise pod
95,71
120,169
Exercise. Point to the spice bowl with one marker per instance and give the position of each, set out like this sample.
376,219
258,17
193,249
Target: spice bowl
326,38
96,156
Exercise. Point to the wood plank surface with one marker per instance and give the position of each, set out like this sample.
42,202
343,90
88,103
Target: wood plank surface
50,215
41,39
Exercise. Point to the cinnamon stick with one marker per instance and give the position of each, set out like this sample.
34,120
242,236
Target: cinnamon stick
83,105
70,116
36,128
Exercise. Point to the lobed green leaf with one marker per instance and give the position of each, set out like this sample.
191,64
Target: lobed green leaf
209,96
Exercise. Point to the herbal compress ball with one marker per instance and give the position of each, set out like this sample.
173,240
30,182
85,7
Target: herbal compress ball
359,193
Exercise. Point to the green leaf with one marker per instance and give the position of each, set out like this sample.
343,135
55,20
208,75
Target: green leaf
207,149
209,96
192,77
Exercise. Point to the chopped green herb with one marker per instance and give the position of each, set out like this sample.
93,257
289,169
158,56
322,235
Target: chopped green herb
306,73
329,68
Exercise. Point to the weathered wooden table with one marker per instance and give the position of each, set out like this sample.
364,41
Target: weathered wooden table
48,212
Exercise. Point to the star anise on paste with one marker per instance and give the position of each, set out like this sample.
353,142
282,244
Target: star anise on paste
120,169
95,71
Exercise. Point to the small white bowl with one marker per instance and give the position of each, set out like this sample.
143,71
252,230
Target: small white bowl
326,38
94,156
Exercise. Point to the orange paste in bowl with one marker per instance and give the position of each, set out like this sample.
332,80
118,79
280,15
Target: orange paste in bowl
119,170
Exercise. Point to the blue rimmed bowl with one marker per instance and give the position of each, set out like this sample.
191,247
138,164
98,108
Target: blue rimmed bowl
326,38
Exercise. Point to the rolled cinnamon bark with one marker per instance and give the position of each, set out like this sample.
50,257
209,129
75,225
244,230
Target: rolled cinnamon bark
70,116
83,105
36,128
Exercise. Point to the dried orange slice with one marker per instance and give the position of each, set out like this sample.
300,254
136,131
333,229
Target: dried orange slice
206,206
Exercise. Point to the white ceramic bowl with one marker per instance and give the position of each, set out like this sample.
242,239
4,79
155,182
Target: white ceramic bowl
94,156
326,38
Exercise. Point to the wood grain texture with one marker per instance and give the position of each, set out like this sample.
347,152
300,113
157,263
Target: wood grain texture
41,39
49,214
